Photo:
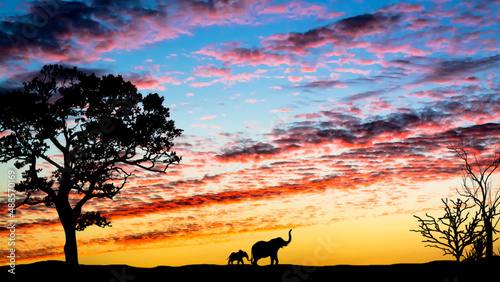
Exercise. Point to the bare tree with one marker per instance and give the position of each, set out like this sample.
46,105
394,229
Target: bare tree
477,186
476,251
450,233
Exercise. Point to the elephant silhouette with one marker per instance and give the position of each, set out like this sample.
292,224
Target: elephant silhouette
238,257
269,248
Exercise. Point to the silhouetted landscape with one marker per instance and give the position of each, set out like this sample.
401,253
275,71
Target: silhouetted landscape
436,271
212,134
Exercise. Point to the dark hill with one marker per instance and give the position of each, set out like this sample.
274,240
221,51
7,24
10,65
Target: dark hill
438,271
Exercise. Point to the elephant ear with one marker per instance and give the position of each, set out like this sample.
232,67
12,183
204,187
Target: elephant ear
277,240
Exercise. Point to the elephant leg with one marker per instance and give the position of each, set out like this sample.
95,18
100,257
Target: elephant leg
274,259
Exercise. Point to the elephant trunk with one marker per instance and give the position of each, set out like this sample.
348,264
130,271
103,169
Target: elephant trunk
289,237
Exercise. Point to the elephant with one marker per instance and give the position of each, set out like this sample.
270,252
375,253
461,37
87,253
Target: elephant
237,256
269,248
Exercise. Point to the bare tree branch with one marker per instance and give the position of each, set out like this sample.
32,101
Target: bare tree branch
456,236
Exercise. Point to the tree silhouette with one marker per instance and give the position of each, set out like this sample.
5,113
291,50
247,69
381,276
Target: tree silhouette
91,131
448,232
477,186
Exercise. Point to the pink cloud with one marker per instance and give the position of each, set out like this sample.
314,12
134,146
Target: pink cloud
294,78
281,8
253,101
208,71
294,9
380,50
244,56
147,81
199,125
403,7
199,13
308,66
335,15
208,117
307,69
367,72
227,78
281,111
169,80
201,84
150,81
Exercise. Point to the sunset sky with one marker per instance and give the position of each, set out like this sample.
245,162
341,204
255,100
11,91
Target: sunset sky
328,117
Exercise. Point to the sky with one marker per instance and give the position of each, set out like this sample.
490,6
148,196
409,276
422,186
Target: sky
331,118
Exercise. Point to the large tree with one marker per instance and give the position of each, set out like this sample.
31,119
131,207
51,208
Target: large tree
478,187
92,131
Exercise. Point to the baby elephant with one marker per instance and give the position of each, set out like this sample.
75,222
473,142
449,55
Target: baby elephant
237,256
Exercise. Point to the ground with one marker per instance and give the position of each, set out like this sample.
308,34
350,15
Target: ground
439,271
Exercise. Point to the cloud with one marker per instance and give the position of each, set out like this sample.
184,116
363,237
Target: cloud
199,125
253,101
296,9
340,34
351,70
451,70
150,81
364,95
218,12
246,56
348,131
295,78
242,153
201,84
208,117
208,71
281,111
226,76
96,28
403,7
329,83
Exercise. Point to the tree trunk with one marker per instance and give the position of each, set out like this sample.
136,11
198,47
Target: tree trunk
68,222
70,247
489,238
